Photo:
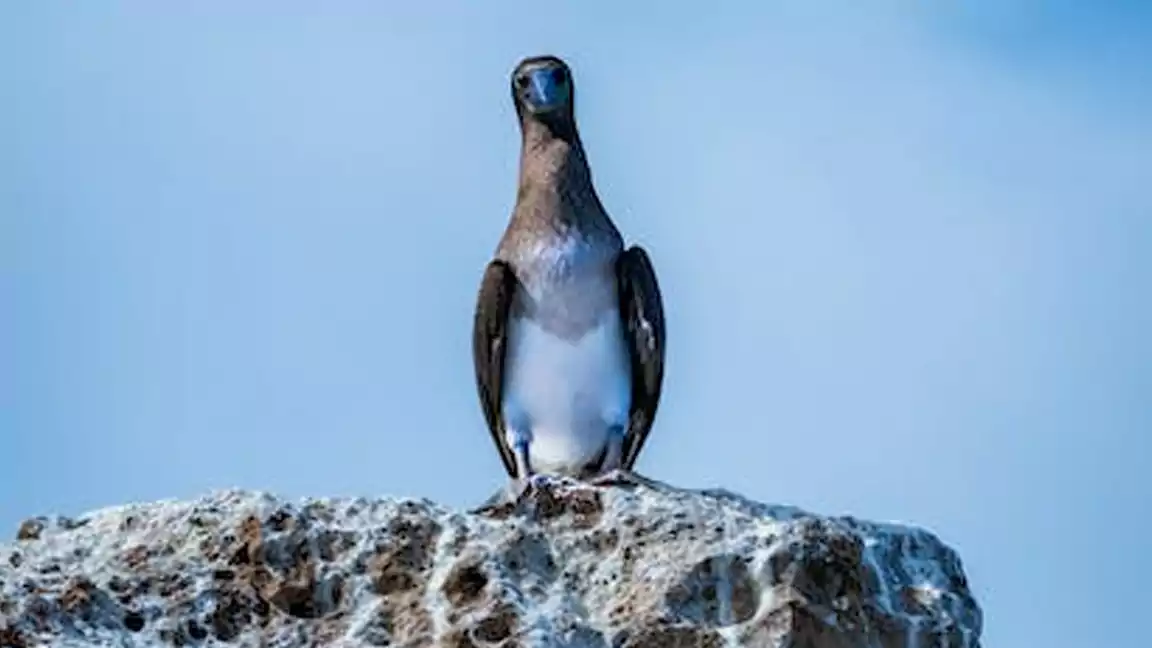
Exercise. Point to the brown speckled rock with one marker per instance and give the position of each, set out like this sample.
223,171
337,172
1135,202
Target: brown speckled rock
574,566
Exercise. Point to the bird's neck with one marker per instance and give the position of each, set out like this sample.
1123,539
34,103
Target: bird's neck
554,164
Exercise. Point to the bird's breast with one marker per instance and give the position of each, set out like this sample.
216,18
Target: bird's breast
567,285
567,392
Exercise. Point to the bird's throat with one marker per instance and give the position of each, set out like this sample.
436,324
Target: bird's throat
550,164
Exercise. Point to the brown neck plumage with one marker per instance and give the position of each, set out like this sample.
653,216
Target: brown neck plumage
554,171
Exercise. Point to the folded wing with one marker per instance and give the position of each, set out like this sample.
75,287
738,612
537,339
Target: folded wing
489,343
642,312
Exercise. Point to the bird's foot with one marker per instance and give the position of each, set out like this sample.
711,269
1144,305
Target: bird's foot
609,478
513,493
518,488
622,477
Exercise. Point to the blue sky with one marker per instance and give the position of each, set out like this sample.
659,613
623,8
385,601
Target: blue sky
905,253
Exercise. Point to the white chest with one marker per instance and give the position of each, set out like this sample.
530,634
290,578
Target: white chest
566,394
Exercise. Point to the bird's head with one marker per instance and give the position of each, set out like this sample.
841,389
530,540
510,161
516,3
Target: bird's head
542,90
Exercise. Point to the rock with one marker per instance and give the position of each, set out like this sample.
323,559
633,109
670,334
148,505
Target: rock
633,565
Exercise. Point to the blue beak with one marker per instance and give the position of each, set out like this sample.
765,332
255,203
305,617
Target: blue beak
544,93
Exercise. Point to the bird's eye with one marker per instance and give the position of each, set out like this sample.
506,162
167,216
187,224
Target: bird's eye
521,82
558,76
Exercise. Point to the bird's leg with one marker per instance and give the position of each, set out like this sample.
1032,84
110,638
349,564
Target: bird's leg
520,439
614,456
523,463
612,469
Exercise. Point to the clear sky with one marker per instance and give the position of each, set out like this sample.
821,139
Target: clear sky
906,253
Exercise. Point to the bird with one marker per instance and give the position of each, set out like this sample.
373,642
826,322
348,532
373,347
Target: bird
569,337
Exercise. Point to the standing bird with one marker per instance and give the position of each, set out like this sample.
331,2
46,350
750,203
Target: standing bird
568,338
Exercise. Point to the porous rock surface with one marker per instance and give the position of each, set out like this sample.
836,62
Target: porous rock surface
571,566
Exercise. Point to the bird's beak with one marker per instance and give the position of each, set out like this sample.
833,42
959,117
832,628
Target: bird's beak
544,94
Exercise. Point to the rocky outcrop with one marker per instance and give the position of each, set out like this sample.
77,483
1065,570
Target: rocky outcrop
573,566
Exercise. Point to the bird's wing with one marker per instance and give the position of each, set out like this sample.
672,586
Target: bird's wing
642,311
489,342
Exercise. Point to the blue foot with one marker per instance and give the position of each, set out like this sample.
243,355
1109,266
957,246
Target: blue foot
538,480
622,477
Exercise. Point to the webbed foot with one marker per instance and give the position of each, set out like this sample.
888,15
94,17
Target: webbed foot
513,493
518,488
622,477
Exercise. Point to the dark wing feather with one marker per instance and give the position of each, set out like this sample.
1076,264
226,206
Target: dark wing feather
642,311
489,342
